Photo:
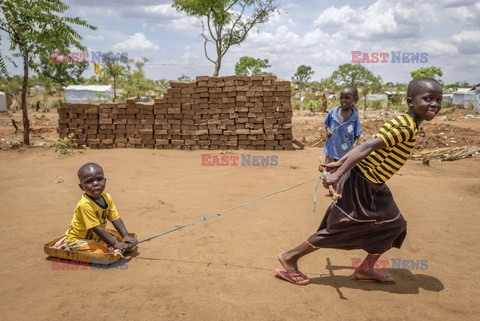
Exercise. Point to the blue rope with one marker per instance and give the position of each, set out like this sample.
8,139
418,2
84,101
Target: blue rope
220,214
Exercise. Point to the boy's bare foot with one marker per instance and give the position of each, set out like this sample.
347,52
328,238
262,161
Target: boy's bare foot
372,276
291,268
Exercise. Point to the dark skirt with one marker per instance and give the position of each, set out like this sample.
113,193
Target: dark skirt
366,217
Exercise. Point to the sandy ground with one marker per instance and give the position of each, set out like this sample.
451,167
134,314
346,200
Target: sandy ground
223,269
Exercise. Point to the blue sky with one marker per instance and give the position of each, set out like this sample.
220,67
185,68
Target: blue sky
317,33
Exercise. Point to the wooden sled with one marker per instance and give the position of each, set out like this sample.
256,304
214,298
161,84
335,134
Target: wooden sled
97,258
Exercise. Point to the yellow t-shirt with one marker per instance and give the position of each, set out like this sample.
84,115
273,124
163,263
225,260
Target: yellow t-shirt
89,214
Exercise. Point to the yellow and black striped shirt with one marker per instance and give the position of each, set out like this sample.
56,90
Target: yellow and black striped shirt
399,134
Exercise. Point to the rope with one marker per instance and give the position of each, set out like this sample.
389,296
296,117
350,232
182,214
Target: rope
324,173
219,214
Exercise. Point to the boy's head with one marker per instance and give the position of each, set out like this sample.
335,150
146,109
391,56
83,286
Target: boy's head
91,178
348,97
424,98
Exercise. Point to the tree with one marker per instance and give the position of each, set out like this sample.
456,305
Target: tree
34,28
302,76
185,78
358,76
225,22
134,83
433,72
249,66
113,69
62,73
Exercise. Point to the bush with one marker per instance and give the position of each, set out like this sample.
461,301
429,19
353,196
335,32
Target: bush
66,145
56,103
313,105
377,104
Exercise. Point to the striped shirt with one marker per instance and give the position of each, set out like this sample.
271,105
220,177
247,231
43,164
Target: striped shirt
399,135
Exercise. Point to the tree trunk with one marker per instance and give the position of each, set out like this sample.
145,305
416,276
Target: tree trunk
114,88
26,122
218,64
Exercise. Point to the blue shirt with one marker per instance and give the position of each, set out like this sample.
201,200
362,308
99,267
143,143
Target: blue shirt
343,135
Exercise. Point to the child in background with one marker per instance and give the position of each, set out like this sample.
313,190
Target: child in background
367,217
87,230
342,125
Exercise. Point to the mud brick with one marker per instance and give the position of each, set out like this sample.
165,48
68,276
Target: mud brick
107,141
91,110
256,131
146,131
177,142
190,142
215,131
201,132
202,78
92,141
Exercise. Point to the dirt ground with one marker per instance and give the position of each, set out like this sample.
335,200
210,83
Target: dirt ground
223,268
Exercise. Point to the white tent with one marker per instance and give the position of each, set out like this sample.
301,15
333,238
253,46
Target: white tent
3,102
476,104
463,96
76,94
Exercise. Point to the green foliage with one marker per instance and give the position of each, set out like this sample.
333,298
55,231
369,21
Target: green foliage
14,144
134,83
358,76
66,145
433,72
113,69
249,66
314,105
225,22
35,28
377,104
449,117
185,78
302,76
56,103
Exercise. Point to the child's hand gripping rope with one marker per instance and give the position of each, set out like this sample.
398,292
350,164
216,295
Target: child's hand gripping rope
331,189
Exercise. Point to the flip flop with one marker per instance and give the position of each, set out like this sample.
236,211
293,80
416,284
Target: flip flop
382,278
288,277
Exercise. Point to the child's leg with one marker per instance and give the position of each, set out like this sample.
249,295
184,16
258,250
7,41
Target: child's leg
366,271
290,258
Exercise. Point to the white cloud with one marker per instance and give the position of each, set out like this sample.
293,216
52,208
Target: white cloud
137,42
379,21
468,41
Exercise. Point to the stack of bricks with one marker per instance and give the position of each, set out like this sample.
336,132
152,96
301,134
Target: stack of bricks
235,112
82,121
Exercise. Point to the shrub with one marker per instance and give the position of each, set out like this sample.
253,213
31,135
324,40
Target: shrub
66,145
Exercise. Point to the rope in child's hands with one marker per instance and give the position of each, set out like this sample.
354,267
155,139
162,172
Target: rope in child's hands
331,189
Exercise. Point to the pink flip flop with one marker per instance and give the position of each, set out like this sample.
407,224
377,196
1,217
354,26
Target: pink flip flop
288,277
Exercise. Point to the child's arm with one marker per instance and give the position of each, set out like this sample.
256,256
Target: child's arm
120,227
329,131
350,159
355,141
108,239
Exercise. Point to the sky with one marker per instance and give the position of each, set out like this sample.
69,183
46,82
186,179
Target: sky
316,33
